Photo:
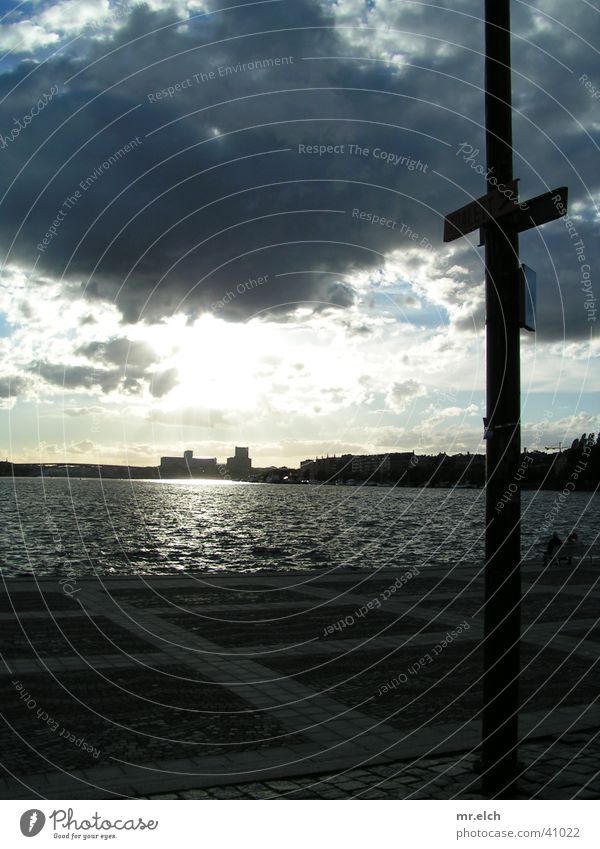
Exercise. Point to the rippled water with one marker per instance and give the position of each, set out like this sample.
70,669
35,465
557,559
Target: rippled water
51,526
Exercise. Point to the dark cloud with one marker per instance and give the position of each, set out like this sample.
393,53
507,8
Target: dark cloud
71,377
78,412
401,393
11,387
118,363
84,446
162,382
201,201
132,355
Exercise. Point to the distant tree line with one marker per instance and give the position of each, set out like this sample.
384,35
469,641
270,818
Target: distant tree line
579,464
542,470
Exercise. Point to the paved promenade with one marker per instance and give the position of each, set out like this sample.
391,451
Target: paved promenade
348,684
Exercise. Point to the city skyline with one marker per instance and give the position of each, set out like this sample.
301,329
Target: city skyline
188,457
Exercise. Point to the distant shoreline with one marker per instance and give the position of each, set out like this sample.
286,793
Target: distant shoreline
220,482
575,468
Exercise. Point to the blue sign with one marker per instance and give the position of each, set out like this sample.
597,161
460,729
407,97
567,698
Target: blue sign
527,284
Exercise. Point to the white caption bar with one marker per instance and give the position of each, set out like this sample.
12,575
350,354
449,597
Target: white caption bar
301,824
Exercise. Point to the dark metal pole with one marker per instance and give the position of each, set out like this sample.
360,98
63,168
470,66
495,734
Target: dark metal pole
502,571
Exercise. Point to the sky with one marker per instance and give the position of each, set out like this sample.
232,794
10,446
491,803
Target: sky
222,225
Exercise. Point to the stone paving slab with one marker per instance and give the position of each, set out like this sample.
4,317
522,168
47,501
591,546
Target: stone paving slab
176,700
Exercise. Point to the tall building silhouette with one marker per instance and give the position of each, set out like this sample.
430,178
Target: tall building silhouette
239,466
188,466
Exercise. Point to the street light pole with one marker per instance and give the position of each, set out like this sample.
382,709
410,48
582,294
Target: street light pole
502,569
501,217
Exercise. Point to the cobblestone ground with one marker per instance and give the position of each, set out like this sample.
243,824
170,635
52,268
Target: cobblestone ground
553,774
314,685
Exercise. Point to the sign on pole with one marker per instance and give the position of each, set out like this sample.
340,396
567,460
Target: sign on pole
481,211
540,210
527,297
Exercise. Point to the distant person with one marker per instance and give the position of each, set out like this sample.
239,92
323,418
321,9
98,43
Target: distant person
570,544
554,544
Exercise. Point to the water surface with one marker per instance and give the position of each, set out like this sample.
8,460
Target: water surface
57,525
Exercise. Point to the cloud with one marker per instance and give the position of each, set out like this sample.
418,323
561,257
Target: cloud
83,446
158,203
118,364
215,194
26,37
54,23
11,386
79,412
193,417
566,428
401,393
161,383
132,355
73,377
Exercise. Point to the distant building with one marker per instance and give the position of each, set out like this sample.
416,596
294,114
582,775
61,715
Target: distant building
239,466
381,466
306,470
376,467
188,466
326,468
